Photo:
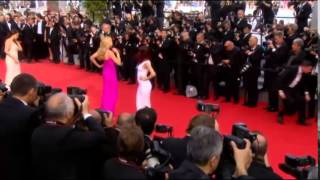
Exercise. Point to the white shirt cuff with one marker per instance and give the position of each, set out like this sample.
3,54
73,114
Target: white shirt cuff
86,116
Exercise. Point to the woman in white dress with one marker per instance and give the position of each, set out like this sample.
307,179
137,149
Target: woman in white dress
12,46
145,72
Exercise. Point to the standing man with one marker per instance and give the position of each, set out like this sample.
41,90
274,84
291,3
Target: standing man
40,49
251,72
28,39
303,11
54,41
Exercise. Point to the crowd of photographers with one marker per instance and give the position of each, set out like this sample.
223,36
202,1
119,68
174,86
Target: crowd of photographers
48,134
220,53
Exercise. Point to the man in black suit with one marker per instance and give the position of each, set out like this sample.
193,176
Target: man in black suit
54,41
293,89
204,153
177,147
232,61
93,42
17,122
59,144
5,28
291,33
242,40
260,167
200,63
251,72
267,11
303,11
226,31
241,21
40,48
297,53
276,58
28,39
165,58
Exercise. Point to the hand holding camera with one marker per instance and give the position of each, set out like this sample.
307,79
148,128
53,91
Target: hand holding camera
242,157
84,104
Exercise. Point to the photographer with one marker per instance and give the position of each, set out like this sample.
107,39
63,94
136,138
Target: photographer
297,54
178,146
126,165
291,33
58,144
260,167
293,89
276,58
251,72
203,156
303,11
18,120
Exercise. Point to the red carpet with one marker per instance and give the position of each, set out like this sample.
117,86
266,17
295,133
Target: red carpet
177,111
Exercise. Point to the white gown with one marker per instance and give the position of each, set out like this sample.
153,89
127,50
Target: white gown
144,87
13,68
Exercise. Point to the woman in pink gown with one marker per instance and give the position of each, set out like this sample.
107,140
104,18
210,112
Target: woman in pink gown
110,57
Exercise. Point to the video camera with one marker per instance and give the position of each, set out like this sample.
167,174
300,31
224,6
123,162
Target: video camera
208,108
299,167
76,92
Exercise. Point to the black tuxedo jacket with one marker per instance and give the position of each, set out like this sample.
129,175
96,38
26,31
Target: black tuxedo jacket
58,151
17,121
278,58
43,24
28,35
54,36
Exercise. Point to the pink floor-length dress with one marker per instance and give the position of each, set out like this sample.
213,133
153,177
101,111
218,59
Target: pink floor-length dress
110,86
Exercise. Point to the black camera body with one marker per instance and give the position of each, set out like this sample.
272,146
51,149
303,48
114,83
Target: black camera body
76,92
208,108
299,167
3,88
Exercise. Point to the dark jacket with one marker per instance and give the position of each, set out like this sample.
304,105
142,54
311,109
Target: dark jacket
17,121
260,171
177,148
57,150
116,169
28,35
188,170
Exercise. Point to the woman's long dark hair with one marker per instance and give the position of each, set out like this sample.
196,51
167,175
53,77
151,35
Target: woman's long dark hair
11,33
144,53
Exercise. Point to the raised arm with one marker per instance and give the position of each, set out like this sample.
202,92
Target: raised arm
93,59
151,71
116,56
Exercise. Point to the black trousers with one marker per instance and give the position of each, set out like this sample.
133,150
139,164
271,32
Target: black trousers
270,78
82,56
125,67
294,102
40,48
182,77
28,49
55,49
164,74
132,68
211,74
250,82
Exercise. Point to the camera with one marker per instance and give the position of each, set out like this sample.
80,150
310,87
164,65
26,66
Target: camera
299,167
239,133
44,90
161,128
3,87
208,108
157,161
245,68
76,92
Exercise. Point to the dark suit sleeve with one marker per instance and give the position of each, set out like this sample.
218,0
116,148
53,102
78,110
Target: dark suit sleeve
79,139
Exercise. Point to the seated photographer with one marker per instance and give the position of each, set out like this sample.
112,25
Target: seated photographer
18,120
203,156
178,146
57,145
260,167
126,165
293,90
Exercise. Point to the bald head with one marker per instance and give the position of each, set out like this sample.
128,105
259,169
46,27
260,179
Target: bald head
59,107
260,146
126,119
229,45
